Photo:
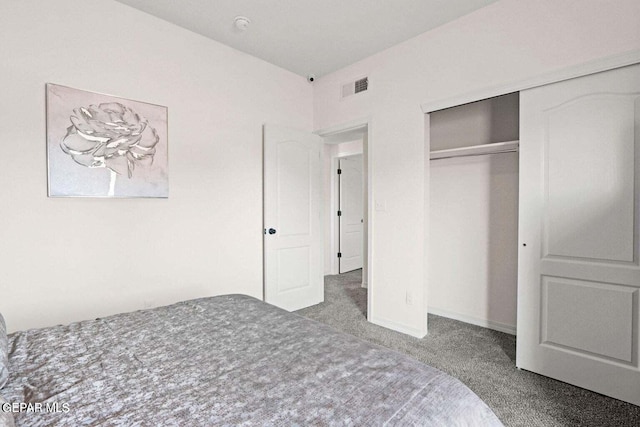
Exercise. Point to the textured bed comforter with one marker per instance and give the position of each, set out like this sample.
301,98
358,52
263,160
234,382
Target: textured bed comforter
227,360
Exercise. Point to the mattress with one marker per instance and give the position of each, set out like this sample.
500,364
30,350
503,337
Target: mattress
226,360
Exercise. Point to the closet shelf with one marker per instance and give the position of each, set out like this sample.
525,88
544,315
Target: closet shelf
476,150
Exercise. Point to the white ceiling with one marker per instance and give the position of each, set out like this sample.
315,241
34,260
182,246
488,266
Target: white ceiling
310,37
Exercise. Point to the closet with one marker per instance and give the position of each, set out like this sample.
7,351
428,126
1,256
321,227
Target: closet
552,228
474,212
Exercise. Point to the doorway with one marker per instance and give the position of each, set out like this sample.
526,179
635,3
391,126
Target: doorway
347,148
292,223
299,170
473,217
345,249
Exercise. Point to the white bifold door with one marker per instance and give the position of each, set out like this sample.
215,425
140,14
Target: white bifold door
293,256
579,271
351,213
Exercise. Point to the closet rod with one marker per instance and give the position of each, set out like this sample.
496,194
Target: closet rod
476,150
453,156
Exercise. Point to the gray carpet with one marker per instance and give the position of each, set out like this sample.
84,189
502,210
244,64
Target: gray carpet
481,358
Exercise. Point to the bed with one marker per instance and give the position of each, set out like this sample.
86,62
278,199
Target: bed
225,360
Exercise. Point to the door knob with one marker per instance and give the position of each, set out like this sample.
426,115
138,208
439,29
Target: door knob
272,231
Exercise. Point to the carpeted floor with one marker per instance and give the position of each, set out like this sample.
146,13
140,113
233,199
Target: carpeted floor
481,358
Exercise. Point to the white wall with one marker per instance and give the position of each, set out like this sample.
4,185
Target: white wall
508,41
484,122
69,259
349,148
473,269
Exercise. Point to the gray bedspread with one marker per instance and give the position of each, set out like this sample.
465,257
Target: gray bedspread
226,360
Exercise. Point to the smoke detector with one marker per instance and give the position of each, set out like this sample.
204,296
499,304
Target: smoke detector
241,22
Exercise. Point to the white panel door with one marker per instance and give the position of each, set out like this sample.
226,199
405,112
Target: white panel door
292,228
579,274
352,214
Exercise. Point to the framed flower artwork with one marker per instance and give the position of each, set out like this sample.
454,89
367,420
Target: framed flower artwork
105,146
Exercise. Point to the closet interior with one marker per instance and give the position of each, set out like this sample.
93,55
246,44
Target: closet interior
474,212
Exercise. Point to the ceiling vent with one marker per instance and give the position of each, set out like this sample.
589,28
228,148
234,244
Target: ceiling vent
358,86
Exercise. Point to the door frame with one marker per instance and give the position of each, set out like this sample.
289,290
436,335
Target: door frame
367,157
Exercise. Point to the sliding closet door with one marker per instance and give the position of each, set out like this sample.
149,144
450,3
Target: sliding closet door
579,273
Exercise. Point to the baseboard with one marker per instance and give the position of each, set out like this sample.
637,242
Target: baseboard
489,324
398,327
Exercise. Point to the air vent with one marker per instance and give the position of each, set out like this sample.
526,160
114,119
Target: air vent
362,85
358,86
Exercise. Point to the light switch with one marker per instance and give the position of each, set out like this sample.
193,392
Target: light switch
409,298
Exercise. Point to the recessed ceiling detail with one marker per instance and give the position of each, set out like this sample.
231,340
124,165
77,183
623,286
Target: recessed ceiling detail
306,36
